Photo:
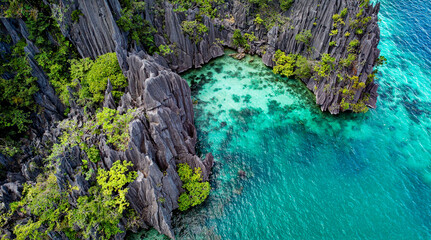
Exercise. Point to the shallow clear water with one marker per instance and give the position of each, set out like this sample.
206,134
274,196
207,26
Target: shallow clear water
310,175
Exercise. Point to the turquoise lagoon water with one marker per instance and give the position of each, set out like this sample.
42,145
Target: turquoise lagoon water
310,175
285,170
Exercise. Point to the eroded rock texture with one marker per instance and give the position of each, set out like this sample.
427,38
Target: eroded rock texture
95,32
304,15
162,137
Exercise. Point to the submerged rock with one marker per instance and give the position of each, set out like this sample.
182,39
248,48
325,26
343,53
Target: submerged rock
237,56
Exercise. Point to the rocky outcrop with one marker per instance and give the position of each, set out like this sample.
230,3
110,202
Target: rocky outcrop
163,136
95,32
189,54
318,17
303,15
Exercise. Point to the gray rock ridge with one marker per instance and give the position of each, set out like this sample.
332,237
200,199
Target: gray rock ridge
96,32
303,16
162,137
187,53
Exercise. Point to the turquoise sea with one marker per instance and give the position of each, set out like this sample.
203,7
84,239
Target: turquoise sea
285,170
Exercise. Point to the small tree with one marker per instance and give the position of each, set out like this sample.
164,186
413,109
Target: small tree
196,190
238,39
304,37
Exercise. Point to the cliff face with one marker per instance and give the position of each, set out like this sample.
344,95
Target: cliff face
95,32
94,35
316,16
163,137
303,16
163,134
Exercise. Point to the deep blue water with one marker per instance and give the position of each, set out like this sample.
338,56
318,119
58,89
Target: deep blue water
310,175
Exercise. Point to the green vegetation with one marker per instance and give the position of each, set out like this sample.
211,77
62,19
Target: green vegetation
349,95
108,122
101,210
347,62
291,65
139,29
285,4
48,206
325,66
237,38
93,78
303,68
9,147
268,14
332,44
344,105
381,60
75,15
258,20
115,126
196,190
333,32
55,64
165,50
261,3
104,207
18,85
343,12
353,46
285,64
359,23
304,37
336,17
243,41
194,30
359,31
16,100
356,83
206,7
361,106
250,38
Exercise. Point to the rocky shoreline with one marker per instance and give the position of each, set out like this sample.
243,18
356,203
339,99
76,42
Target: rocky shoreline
163,135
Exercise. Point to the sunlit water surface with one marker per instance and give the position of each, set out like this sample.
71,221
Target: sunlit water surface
285,170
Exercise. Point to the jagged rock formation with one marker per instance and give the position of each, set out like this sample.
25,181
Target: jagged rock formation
308,15
161,138
163,134
96,32
303,16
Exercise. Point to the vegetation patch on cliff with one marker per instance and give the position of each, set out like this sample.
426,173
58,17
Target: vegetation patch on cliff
196,191
96,214
97,211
